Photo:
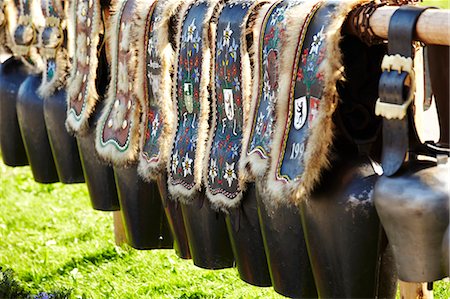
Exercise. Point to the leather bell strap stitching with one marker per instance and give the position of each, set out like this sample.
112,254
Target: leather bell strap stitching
396,87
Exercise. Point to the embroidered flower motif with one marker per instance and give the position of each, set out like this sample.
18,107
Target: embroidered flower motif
233,50
191,31
155,125
229,173
187,163
271,101
277,16
175,162
269,130
213,171
196,75
259,123
227,35
266,88
317,42
236,84
234,151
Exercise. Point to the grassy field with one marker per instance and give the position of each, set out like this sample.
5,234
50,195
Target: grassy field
437,3
53,241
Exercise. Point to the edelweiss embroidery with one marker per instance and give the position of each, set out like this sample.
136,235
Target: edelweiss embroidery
304,103
154,127
188,98
229,111
274,28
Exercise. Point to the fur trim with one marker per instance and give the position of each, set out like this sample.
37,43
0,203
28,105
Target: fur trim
298,17
179,192
5,37
317,158
167,10
47,88
79,124
219,201
122,83
252,166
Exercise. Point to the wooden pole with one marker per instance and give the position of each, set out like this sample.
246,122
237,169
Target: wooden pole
412,290
119,230
433,25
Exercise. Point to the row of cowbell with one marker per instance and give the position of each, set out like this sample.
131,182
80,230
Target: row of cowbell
174,129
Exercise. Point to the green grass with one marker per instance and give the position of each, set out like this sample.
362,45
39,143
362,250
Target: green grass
437,3
53,240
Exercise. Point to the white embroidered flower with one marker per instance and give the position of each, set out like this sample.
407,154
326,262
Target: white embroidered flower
269,130
227,35
196,75
213,171
175,162
266,88
259,123
271,100
237,84
187,164
229,173
191,31
277,16
155,125
234,151
317,42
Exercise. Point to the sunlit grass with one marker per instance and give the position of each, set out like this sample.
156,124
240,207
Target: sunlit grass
52,239
437,3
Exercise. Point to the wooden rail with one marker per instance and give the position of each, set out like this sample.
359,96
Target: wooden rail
433,26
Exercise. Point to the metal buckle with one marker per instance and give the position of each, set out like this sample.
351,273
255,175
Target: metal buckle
400,64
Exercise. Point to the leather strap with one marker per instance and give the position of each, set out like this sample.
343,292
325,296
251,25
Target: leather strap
396,87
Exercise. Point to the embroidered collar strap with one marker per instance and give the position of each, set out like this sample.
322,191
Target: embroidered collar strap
53,47
86,19
274,61
299,64
25,35
231,91
396,88
191,97
118,128
156,58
